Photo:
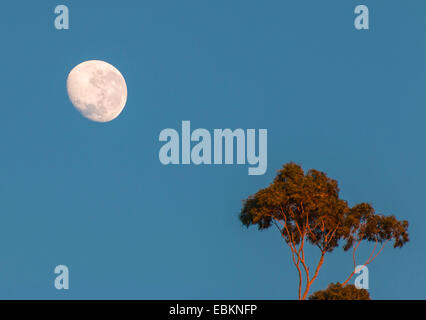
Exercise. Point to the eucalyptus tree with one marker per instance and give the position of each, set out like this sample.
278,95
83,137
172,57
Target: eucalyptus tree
306,209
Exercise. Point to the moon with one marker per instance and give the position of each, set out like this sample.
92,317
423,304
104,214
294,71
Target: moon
97,90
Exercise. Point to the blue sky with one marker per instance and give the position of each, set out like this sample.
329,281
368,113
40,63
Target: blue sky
96,198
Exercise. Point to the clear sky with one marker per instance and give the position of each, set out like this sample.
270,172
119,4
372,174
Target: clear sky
96,198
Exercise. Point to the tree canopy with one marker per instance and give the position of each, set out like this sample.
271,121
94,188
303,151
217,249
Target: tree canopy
306,208
336,291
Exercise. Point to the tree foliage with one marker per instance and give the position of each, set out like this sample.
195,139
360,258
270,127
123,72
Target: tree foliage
306,208
336,291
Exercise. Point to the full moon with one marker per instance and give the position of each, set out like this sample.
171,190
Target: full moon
97,90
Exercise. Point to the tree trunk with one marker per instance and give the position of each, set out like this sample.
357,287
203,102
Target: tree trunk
309,283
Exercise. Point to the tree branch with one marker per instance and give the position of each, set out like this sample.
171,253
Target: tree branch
367,262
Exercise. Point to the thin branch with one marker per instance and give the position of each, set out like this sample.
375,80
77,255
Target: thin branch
367,262
372,252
